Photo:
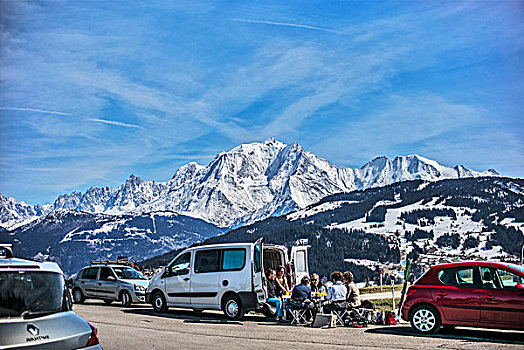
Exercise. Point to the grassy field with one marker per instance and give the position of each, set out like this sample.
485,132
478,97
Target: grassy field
376,289
385,304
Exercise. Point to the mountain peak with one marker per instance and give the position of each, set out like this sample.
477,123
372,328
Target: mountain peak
248,183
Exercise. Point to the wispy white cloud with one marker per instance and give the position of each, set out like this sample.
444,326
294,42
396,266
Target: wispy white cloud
284,24
113,122
32,110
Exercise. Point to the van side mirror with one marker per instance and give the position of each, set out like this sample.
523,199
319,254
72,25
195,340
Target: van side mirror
111,279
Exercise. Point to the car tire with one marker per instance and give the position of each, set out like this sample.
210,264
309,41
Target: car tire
233,308
425,319
159,302
108,302
78,296
125,298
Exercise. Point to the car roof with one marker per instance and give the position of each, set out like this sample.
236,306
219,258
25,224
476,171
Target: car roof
106,265
16,264
470,263
221,245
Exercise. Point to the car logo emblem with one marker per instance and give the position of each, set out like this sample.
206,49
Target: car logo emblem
33,330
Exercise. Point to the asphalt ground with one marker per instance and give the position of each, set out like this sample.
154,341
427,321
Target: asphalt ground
139,327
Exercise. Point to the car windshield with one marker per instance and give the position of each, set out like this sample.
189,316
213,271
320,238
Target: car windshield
28,293
128,273
516,267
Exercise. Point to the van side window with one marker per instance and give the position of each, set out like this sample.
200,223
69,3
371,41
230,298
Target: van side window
233,259
207,261
181,265
90,273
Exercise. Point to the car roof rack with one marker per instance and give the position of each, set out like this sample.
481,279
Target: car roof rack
8,250
121,260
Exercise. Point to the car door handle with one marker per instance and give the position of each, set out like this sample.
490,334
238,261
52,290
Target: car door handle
441,294
489,297
186,279
82,282
99,284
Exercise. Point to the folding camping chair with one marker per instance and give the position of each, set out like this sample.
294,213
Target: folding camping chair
298,311
341,312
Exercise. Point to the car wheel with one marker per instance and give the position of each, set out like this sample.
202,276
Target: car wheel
159,302
108,302
78,296
125,298
425,319
233,308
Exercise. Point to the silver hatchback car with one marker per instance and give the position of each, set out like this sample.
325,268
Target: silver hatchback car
110,282
36,309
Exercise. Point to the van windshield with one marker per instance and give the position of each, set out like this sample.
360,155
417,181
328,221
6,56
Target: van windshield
32,293
128,273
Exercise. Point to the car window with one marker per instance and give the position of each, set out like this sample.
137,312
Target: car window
257,257
488,278
460,277
90,273
207,261
233,259
181,265
507,280
128,273
105,272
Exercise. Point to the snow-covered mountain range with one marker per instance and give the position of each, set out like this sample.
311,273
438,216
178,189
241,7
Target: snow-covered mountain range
249,183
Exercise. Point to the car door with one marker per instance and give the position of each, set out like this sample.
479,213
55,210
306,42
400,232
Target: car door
177,280
259,278
88,282
205,278
502,303
458,295
107,285
299,263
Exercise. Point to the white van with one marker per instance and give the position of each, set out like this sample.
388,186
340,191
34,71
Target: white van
228,277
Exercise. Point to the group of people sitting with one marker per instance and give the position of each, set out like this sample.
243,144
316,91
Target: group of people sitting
341,293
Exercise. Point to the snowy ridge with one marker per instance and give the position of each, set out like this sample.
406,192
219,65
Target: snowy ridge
249,183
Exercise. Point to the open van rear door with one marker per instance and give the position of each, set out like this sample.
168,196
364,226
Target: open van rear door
299,263
259,279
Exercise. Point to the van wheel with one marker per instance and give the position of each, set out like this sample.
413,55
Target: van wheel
425,319
78,296
125,298
108,302
159,302
233,308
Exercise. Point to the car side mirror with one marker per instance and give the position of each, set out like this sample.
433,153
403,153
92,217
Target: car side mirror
520,286
111,278
180,272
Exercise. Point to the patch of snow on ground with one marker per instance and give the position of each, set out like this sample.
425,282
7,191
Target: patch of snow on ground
301,214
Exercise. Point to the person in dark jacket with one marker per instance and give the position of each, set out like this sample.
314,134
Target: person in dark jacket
301,296
301,291
272,294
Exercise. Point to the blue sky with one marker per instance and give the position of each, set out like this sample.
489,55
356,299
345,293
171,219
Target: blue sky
91,92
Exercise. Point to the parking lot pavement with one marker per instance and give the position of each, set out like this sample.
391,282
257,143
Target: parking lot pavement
139,327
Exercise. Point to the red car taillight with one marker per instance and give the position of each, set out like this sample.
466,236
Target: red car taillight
93,339
411,291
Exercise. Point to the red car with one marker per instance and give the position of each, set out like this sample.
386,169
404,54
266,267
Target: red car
473,294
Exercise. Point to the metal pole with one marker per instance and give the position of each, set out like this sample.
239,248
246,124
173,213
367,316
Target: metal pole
381,280
393,292
522,255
